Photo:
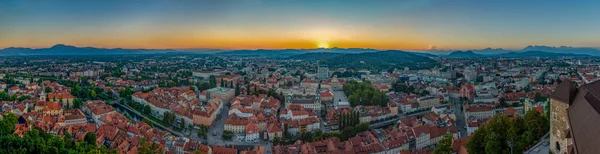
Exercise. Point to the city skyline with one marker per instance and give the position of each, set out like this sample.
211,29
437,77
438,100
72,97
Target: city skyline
404,25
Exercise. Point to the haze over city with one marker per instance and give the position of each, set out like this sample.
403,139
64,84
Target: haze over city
300,76
270,24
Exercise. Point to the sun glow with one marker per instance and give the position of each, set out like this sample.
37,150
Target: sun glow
323,45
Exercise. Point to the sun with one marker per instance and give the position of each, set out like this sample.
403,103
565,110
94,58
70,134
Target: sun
323,45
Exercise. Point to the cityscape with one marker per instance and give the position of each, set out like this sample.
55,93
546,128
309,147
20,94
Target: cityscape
118,77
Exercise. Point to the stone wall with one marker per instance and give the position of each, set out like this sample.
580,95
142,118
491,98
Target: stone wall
558,126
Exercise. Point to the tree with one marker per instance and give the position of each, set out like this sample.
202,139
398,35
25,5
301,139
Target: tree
340,121
202,131
147,109
90,138
148,121
182,124
212,81
47,89
68,140
535,123
227,135
248,89
237,89
77,103
92,93
445,145
476,144
286,132
276,140
514,132
493,144
148,147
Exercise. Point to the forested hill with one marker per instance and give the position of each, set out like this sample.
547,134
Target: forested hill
315,56
382,60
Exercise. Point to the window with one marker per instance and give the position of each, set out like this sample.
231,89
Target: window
557,146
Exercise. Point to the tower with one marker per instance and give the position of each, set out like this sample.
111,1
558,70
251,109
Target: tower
560,101
322,70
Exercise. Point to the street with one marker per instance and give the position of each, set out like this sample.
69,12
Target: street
460,120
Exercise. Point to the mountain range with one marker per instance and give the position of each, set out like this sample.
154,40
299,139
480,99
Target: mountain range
543,49
471,54
61,49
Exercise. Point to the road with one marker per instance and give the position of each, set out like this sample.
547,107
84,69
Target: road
217,128
541,147
339,96
460,119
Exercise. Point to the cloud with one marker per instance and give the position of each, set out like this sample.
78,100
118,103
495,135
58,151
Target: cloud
432,47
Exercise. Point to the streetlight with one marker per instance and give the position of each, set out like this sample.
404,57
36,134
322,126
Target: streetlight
510,144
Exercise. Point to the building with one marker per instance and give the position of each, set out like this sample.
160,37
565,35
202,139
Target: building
274,130
252,133
307,101
393,108
428,101
470,74
333,83
207,74
236,124
323,71
479,110
225,94
72,117
64,98
574,118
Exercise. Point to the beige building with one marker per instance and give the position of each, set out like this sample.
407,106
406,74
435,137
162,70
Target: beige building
225,94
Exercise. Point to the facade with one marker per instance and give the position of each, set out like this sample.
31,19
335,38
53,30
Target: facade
323,72
274,130
479,110
236,124
252,133
559,121
225,94
428,101
307,101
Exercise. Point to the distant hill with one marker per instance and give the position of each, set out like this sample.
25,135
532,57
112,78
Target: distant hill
539,54
425,54
560,49
315,56
61,49
382,60
261,52
470,54
463,54
564,49
291,52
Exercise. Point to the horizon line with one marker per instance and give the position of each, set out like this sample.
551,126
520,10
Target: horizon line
232,49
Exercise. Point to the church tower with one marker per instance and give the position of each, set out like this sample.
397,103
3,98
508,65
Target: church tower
560,101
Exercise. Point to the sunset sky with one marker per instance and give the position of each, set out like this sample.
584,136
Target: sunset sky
270,24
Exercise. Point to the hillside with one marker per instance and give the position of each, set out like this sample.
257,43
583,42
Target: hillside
315,56
382,60
539,54
291,52
61,49
262,52
469,54
463,54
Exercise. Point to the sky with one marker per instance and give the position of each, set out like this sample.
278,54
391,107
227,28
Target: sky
278,24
